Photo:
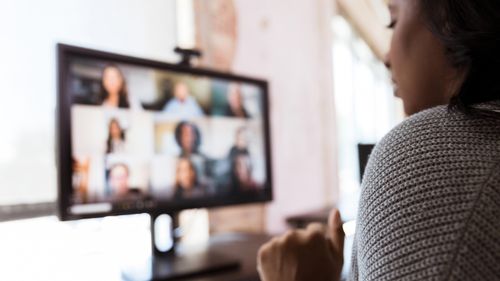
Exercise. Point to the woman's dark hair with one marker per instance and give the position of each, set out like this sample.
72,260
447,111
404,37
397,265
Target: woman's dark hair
197,134
109,141
470,32
122,95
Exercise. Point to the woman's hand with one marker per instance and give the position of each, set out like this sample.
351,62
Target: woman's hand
304,255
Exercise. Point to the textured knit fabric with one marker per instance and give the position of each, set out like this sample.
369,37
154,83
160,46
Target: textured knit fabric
430,204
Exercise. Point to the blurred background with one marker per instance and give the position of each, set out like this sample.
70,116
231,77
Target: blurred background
329,93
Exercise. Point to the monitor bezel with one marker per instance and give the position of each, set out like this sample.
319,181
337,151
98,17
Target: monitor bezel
64,141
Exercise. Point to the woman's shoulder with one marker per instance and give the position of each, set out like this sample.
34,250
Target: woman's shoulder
425,120
419,125
437,133
441,125
423,179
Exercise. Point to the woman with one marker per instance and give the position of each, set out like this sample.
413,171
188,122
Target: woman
240,144
119,184
241,174
186,180
116,138
118,181
235,106
429,207
188,137
114,88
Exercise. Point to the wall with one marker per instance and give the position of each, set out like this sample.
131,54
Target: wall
289,43
29,32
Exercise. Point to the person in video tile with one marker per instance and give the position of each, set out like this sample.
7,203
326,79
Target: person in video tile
80,178
186,180
116,137
235,107
183,105
114,88
187,136
118,180
241,174
240,145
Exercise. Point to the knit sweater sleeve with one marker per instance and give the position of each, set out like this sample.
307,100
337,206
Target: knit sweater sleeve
430,202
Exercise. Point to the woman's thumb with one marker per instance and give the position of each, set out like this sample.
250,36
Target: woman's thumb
336,231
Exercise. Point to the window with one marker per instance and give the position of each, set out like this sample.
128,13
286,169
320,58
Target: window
365,105
30,32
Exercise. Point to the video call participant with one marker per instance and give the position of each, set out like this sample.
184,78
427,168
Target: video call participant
118,180
241,174
80,179
116,138
114,88
240,145
186,180
188,137
235,107
183,105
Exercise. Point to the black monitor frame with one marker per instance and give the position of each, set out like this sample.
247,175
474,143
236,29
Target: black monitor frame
64,148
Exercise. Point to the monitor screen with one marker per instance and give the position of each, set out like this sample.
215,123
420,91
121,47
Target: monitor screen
143,136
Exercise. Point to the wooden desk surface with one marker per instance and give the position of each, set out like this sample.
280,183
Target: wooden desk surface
243,247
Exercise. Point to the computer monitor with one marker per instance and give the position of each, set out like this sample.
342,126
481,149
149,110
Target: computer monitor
139,136
144,136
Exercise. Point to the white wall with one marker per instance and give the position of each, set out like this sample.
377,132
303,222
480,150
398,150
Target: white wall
289,43
29,31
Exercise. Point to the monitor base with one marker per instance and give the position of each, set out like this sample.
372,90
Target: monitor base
170,260
180,266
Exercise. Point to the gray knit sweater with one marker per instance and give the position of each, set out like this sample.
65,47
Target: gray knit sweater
430,204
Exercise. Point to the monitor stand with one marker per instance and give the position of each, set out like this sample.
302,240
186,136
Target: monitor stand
169,261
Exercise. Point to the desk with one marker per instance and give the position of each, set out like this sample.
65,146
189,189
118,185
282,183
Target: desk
221,251
243,247
93,250
45,249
